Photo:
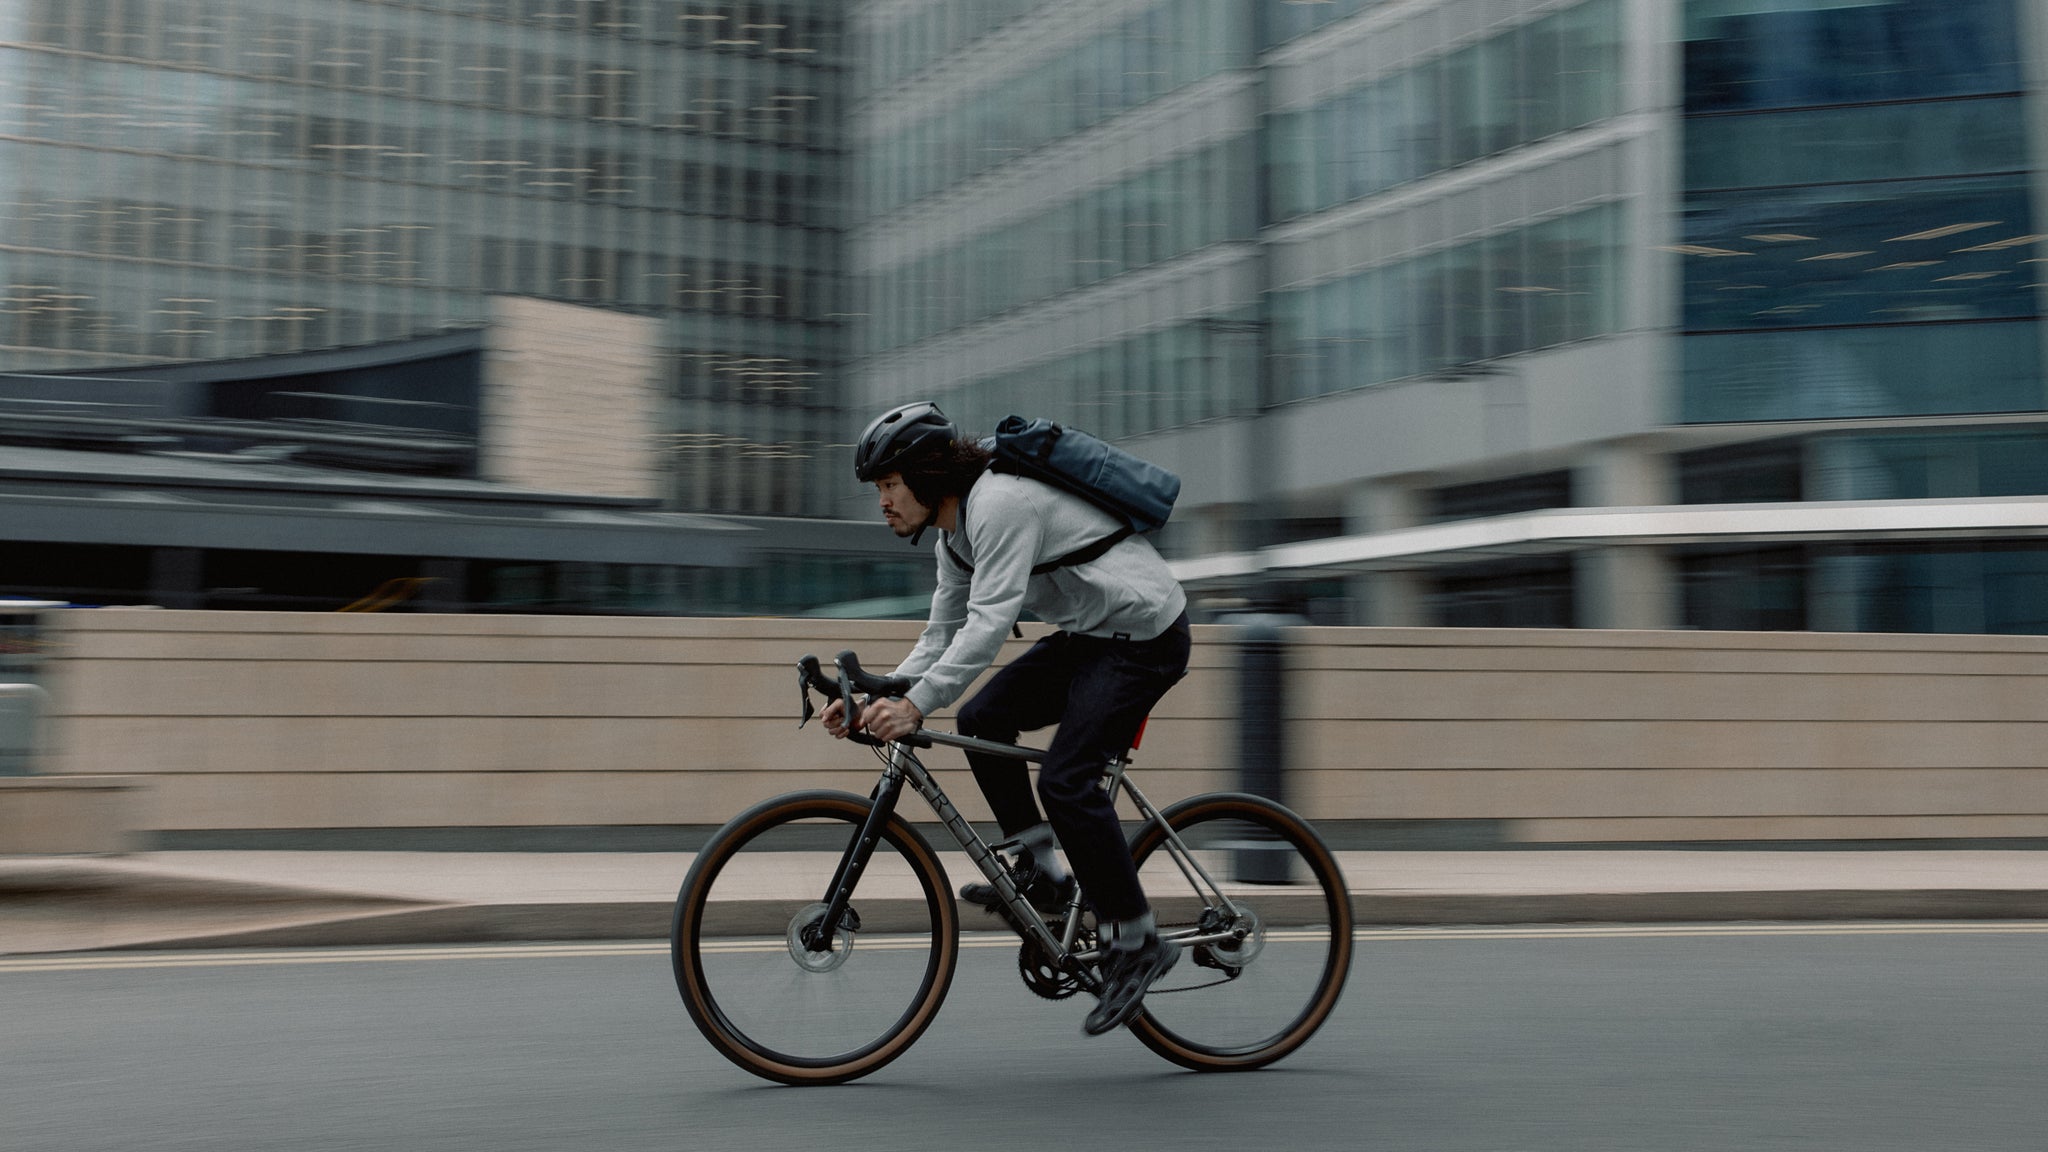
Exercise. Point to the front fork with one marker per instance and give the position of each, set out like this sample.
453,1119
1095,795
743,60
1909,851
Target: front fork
819,935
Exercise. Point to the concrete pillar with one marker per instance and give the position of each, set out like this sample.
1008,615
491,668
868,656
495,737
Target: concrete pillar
1394,598
1219,528
1622,476
1633,585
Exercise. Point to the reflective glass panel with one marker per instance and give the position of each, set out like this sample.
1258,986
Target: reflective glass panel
1741,54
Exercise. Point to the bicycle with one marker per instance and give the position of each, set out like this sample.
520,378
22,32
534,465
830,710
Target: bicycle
784,997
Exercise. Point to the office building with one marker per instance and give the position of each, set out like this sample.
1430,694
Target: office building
1602,313
209,180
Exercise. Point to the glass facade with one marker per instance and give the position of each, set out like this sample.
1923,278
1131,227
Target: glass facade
1121,67
238,580
1527,493
780,584
1538,281
1512,88
1859,238
1990,586
1284,20
1144,218
954,251
910,40
1944,586
1532,593
1976,586
1744,589
1199,369
1442,185
1530,287
188,180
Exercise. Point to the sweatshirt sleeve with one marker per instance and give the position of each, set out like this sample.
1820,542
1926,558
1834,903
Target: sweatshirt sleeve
1006,544
949,611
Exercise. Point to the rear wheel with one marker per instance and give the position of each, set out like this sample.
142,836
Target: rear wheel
751,981
1279,899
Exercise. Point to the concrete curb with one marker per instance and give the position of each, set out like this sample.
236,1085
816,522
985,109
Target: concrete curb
648,920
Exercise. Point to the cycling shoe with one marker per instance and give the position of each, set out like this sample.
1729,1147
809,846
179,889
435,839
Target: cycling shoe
1126,975
1049,896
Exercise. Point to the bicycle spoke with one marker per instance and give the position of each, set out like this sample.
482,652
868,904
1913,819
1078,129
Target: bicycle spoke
1275,934
768,1000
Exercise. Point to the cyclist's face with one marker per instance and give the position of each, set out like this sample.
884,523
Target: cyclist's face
899,507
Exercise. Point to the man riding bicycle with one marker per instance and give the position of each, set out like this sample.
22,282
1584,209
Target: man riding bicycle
1008,543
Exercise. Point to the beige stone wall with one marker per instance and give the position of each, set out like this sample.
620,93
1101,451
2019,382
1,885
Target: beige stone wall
287,720
571,395
43,816
276,720
1612,735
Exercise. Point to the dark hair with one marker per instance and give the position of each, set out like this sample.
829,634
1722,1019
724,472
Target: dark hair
948,472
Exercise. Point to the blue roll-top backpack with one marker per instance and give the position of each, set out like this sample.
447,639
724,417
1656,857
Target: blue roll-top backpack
1138,493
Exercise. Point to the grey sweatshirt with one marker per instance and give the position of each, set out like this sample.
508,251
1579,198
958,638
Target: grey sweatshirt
1008,524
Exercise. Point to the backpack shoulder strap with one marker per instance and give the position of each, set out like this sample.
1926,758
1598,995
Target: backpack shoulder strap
1094,551
968,568
1015,629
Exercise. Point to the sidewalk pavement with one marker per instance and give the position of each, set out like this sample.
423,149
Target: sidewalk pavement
305,899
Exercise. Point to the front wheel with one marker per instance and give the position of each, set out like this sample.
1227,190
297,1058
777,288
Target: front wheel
1259,877
749,973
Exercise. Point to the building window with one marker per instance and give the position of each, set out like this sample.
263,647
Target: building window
1528,593
1859,232
1526,288
1500,497
1744,590
1742,473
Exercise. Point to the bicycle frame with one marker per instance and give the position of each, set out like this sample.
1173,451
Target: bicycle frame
903,766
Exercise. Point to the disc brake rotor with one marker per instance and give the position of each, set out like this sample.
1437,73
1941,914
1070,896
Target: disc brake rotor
811,961
1240,953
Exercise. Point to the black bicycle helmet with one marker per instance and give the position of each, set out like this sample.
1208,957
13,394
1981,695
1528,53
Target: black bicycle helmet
900,436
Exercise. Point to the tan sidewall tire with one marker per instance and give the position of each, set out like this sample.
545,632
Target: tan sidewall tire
1324,864
690,907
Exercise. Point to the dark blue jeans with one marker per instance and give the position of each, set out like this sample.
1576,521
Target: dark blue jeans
1098,691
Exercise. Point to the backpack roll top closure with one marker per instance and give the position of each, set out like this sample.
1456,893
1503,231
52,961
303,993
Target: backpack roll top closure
1050,441
1135,491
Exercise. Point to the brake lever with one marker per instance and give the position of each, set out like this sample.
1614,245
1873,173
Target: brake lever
852,709
803,691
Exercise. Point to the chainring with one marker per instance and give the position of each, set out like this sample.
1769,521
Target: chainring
1045,978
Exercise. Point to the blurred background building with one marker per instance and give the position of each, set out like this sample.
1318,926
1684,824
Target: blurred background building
1696,313
190,182
1720,314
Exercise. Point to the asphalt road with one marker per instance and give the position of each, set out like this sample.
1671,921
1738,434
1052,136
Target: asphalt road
1856,1038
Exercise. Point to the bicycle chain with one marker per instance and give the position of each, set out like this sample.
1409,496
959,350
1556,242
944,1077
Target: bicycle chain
1190,988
